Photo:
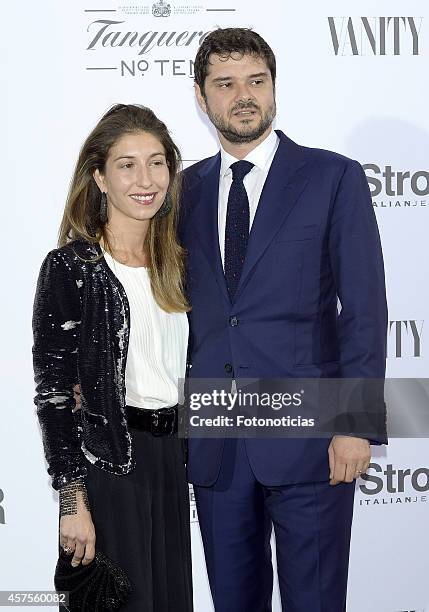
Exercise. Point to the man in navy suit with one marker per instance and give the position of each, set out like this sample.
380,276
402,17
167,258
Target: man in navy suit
276,235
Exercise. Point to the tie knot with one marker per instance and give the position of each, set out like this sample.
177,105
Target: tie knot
240,169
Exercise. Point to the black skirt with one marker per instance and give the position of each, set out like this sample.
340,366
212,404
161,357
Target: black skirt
141,521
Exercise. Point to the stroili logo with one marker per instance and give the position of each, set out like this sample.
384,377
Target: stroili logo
161,9
387,185
375,35
405,338
2,516
404,486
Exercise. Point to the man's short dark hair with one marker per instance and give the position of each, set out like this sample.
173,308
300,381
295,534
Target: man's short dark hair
224,42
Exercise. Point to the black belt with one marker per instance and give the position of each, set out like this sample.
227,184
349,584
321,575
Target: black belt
161,422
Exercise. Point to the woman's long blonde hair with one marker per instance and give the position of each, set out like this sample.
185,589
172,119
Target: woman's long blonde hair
81,219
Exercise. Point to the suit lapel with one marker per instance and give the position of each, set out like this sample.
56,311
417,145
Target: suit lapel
283,186
205,195
285,182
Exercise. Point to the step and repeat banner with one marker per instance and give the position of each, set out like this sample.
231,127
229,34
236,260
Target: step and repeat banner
352,77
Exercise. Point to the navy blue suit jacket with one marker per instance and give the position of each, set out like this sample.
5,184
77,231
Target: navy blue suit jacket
314,238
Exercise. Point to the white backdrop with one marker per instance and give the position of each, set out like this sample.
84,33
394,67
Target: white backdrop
351,78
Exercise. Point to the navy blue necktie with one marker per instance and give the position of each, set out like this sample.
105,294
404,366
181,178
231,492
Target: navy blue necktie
237,226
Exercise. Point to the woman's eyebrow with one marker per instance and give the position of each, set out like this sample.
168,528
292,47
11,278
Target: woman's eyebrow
133,156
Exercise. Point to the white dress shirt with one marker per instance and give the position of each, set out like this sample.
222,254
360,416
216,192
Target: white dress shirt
156,358
262,157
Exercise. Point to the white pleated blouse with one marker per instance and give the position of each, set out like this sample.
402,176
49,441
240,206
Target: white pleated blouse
156,358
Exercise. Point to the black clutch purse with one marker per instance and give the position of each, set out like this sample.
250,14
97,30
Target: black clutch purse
100,586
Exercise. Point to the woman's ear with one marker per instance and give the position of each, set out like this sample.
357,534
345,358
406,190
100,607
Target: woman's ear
99,179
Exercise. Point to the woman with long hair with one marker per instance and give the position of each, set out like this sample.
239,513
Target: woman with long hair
110,316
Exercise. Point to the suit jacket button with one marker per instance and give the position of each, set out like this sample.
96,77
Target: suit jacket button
228,368
233,321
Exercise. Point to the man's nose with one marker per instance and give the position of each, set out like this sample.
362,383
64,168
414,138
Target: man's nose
244,92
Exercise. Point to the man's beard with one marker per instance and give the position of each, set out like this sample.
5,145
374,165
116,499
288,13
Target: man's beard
240,136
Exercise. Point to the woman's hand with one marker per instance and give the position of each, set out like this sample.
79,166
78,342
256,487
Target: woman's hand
77,533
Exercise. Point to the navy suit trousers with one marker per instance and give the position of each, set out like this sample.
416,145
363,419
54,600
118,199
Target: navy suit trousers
312,525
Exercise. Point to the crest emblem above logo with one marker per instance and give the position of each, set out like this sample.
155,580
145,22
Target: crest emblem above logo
161,9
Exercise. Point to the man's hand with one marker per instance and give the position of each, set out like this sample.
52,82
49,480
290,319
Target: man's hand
348,458
76,395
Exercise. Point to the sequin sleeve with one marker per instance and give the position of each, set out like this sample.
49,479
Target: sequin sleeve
56,321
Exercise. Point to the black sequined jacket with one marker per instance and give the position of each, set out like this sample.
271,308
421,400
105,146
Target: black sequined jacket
81,328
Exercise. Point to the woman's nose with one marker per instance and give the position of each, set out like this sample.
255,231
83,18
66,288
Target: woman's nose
144,177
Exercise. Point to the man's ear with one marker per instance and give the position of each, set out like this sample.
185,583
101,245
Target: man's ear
200,98
99,179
